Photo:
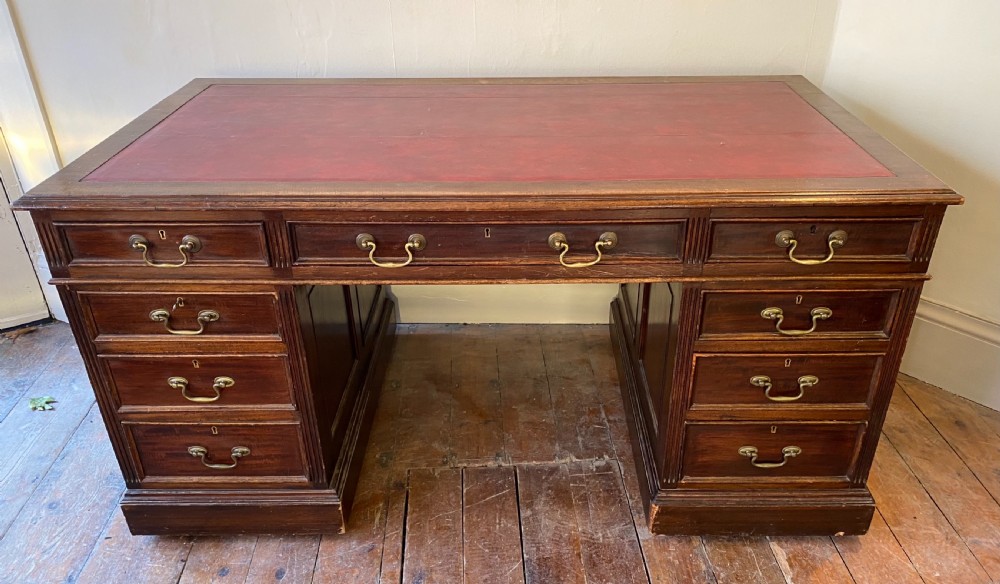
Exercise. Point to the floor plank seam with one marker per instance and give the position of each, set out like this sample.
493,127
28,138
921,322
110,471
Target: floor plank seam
385,528
104,529
936,506
253,552
187,556
628,502
41,476
461,486
402,537
833,541
494,464
900,544
711,565
552,403
520,525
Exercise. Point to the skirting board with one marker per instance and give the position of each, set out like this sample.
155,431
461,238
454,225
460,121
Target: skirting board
19,319
516,303
956,352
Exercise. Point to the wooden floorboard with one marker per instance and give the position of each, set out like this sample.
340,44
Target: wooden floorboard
498,454
937,552
25,358
810,559
877,557
434,545
491,526
955,489
54,535
31,440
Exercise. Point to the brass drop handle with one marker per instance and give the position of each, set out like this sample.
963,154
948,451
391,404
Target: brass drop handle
786,453
189,245
366,242
558,242
204,317
764,382
772,313
236,454
218,385
786,238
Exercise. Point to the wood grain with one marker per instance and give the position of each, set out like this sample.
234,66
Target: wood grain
743,560
491,529
809,559
476,429
433,550
120,556
528,416
33,440
934,548
19,359
219,559
582,430
965,426
283,558
68,511
549,531
956,490
877,555
609,543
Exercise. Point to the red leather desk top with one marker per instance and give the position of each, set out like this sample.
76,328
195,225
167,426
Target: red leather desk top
486,133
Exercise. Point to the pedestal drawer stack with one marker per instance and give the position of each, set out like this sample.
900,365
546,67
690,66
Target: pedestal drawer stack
203,378
763,411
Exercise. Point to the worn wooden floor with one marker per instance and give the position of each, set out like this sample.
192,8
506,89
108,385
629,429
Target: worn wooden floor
499,454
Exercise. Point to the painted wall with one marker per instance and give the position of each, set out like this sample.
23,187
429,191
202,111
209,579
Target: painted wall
21,299
928,78
24,132
100,63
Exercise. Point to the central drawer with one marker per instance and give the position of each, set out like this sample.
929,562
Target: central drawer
521,243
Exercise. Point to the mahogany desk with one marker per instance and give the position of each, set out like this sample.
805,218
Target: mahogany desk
224,261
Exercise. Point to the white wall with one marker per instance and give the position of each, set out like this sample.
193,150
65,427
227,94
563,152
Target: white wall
927,76
21,299
25,133
102,62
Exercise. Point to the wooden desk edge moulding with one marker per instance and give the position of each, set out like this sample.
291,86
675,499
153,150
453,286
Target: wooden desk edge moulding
225,258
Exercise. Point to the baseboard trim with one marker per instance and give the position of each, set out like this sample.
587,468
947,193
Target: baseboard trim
19,319
956,352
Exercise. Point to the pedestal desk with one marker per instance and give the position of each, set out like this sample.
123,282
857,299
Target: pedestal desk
225,259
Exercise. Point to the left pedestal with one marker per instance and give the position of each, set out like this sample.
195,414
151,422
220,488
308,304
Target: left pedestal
238,408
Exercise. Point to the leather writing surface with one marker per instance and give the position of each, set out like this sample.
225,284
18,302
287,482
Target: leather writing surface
491,133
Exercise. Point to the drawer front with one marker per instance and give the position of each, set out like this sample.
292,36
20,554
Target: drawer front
863,240
114,243
195,381
807,450
127,313
318,243
783,380
168,451
857,313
